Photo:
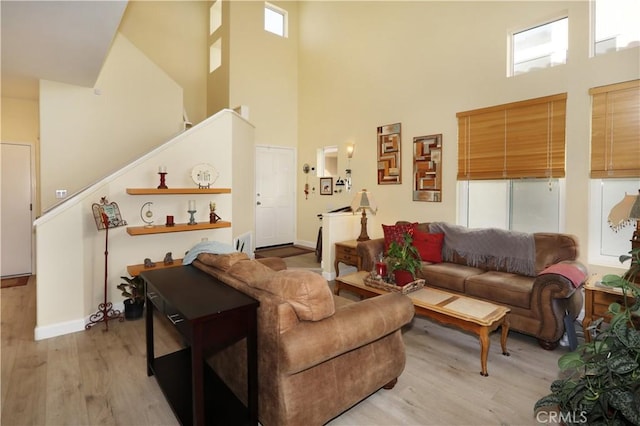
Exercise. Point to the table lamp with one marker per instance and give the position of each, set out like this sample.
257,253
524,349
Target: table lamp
363,201
625,213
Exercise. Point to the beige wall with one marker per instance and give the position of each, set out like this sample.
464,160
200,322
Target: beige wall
366,64
264,72
87,133
173,34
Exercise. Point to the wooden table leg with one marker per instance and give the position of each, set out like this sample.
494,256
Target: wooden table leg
503,337
484,349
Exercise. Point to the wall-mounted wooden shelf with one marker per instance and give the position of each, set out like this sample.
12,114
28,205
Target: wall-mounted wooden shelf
178,227
174,191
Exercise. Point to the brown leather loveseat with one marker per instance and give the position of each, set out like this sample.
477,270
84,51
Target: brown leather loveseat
538,298
318,354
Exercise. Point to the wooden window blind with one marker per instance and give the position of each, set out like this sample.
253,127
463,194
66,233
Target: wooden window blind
615,130
523,139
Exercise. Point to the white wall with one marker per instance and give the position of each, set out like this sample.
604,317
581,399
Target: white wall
88,133
367,64
70,261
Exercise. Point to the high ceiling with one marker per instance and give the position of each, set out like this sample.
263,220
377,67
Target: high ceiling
64,41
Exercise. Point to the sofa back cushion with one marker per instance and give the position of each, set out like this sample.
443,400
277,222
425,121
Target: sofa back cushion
222,261
251,272
307,292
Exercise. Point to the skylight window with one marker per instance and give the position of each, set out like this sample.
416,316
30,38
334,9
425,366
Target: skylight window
616,25
275,20
539,47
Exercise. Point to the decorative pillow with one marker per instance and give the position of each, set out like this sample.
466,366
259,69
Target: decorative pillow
222,261
251,272
307,292
396,233
429,245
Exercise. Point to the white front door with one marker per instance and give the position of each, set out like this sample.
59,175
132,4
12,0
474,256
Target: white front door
16,210
275,195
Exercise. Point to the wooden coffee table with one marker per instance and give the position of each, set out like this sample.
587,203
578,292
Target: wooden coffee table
466,313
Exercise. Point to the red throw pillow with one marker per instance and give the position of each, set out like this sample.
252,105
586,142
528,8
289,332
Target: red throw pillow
396,233
429,246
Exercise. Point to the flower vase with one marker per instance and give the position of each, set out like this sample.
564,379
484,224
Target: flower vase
402,277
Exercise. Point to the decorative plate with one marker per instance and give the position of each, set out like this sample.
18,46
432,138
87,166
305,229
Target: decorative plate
204,175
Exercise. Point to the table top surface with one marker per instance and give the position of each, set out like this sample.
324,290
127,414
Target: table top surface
348,243
194,293
451,304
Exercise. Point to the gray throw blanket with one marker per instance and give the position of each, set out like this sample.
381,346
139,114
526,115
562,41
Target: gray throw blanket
508,250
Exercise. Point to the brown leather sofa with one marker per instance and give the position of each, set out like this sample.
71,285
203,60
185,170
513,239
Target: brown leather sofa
318,354
538,302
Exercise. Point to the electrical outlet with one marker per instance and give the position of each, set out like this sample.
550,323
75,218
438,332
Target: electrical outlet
61,193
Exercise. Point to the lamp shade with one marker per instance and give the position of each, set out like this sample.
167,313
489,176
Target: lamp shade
364,201
625,212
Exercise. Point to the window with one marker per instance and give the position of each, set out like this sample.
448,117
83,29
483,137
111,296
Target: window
615,165
510,161
615,25
215,55
215,16
524,205
275,20
538,47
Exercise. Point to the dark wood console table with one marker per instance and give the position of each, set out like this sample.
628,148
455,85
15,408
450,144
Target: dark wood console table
210,316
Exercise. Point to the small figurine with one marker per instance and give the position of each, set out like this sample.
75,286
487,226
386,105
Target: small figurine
168,259
148,263
213,217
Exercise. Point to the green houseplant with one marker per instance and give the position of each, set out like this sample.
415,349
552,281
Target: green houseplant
600,384
403,257
133,290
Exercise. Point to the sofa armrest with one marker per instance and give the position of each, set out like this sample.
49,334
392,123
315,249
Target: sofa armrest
369,251
554,296
352,326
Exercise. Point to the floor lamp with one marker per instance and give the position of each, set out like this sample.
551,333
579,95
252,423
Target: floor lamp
106,215
363,201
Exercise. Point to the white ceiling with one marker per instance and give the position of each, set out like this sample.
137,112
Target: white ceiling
64,41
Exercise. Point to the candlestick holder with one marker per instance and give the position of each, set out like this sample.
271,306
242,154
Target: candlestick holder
163,184
192,221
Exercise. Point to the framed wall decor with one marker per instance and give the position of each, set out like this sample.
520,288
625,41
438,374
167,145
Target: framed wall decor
389,171
326,186
427,168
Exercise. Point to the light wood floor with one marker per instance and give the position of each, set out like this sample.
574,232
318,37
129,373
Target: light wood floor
99,378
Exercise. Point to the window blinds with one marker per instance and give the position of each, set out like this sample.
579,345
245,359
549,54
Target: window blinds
523,139
615,130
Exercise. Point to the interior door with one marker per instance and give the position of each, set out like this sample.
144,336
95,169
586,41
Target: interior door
16,210
275,196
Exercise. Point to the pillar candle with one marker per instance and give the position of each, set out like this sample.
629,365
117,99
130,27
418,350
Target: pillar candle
192,205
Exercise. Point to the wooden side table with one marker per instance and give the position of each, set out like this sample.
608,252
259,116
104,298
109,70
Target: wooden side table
596,303
209,315
347,254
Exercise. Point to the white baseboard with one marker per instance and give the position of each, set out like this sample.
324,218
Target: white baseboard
67,327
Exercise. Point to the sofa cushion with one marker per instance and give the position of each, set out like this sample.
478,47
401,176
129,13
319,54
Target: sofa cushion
307,292
447,275
396,233
429,245
222,261
501,287
251,272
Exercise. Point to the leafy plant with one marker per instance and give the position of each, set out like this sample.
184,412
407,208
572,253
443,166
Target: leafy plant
404,256
132,288
601,383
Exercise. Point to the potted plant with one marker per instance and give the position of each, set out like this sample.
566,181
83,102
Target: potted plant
601,378
133,290
403,260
